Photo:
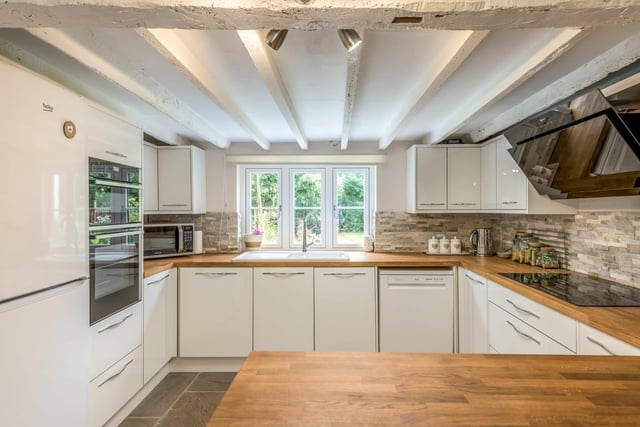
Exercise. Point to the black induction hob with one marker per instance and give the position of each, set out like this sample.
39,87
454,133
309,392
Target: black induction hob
580,289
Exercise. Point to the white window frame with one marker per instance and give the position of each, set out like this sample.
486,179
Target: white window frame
329,202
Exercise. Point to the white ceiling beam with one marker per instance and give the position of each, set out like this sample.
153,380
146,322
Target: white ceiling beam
432,82
353,68
478,15
270,74
485,98
93,54
614,59
168,44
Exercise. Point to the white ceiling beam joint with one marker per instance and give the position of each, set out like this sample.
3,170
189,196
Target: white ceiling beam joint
90,53
614,59
535,62
168,44
353,68
431,84
270,74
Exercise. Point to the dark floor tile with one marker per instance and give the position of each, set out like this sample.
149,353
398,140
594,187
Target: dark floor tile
139,422
165,393
212,381
193,409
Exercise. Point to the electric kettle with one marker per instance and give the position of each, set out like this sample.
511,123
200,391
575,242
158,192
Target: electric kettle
481,241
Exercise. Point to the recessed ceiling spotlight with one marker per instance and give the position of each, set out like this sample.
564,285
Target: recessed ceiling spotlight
275,38
350,39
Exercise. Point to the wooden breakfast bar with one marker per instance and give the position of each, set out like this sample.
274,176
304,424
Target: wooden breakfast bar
341,389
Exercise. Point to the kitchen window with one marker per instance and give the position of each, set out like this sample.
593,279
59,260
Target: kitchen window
333,203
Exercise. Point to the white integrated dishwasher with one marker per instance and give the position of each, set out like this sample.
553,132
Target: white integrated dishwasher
417,309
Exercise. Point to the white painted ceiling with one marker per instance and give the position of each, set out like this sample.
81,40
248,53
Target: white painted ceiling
222,86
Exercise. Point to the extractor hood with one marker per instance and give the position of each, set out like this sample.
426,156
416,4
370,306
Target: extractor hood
586,148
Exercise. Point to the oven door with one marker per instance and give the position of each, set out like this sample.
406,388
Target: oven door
115,269
113,204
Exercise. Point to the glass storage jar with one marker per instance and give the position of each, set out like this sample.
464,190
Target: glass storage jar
548,258
534,249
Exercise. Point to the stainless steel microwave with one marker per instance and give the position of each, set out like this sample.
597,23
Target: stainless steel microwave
167,240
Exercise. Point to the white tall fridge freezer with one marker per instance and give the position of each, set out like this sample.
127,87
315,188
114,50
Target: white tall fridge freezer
44,295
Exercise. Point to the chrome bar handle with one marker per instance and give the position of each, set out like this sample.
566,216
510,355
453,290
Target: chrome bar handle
474,280
277,274
159,280
432,204
113,235
522,310
510,202
116,374
602,346
115,184
217,274
344,275
173,205
115,153
113,325
522,334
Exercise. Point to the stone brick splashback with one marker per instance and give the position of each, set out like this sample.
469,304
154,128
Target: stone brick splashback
220,233
602,243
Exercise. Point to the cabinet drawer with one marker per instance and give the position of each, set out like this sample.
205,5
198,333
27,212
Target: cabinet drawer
595,342
114,337
509,335
548,321
111,390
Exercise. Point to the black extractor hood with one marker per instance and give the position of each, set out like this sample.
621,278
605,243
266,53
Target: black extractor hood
585,148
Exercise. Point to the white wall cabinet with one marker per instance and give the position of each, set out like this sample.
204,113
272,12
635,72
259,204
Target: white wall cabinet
522,326
181,180
426,179
594,342
160,321
463,178
215,312
345,309
150,177
472,309
111,138
283,309
441,178
504,185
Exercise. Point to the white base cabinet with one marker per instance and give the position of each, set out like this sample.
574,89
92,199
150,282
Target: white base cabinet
345,309
160,321
215,312
472,309
594,342
283,309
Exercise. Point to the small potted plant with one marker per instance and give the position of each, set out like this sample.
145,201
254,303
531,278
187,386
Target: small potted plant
253,240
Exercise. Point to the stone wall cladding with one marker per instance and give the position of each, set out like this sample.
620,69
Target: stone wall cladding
606,244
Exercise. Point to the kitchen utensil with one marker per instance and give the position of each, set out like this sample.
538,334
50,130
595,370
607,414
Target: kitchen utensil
482,241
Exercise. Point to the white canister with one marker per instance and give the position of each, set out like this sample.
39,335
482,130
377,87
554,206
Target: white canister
368,243
445,247
197,242
433,246
456,246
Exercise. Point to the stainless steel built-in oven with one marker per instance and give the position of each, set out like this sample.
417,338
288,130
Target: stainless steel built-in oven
116,270
114,194
115,237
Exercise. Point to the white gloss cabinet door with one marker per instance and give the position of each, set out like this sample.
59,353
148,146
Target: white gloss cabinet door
159,334
111,138
150,178
464,177
511,184
594,342
488,176
43,183
181,179
345,309
44,379
215,316
426,179
473,323
283,309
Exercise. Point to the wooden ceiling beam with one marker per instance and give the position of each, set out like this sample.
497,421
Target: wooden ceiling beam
98,57
432,82
614,59
353,71
168,44
474,105
268,69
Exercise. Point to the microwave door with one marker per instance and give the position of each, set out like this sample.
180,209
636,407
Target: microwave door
162,241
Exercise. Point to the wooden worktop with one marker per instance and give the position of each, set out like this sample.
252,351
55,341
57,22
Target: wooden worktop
295,388
621,322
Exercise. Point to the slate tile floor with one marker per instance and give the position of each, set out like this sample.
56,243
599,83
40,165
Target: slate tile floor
181,400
